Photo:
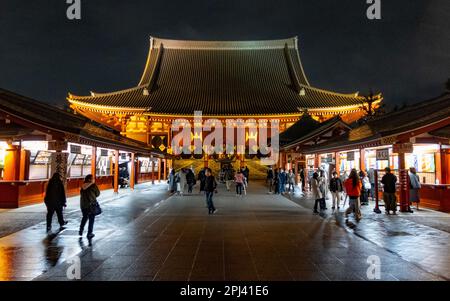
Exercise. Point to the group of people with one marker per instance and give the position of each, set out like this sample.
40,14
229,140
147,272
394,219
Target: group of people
179,181
358,188
55,201
278,179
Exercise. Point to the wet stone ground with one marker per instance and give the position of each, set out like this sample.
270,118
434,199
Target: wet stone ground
148,235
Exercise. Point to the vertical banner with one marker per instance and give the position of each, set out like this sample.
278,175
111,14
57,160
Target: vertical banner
59,164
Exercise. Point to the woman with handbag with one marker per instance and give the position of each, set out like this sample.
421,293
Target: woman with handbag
89,205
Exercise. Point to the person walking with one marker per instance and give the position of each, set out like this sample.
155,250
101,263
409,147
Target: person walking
353,187
365,188
190,180
228,178
88,197
336,188
182,181
239,180
55,201
172,183
389,181
270,176
210,189
414,187
317,193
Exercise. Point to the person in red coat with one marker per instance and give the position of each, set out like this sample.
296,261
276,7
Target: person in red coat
353,187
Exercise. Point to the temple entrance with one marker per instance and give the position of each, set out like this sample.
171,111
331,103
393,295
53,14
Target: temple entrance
257,170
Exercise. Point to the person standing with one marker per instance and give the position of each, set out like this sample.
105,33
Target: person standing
365,188
246,175
291,181
210,189
201,177
282,182
55,201
414,187
172,184
190,180
239,180
88,197
315,188
276,181
389,181
353,187
336,188
302,178
182,181
270,176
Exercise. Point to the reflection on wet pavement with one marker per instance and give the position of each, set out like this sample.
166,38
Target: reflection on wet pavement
256,237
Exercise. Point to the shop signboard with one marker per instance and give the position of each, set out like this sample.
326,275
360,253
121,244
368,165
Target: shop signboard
382,154
104,153
351,156
402,148
57,145
75,149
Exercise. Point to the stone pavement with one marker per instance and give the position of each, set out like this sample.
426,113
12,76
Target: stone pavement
255,237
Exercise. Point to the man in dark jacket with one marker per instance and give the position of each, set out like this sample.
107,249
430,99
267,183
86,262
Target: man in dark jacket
390,200
190,179
55,200
201,177
336,189
210,189
88,196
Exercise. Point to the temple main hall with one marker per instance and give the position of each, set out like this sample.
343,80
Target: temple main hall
222,79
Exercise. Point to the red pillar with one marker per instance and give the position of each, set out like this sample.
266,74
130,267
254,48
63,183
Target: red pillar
159,170
132,171
12,163
116,171
153,170
94,162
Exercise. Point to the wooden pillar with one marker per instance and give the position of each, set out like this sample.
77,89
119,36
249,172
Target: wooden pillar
165,169
132,171
362,159
337,160
25,156
316,161
94,163
12,163
152,164
116,171
205,161
159,170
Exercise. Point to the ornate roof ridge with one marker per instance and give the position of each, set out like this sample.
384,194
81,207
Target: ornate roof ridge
97,94
223,45
352,95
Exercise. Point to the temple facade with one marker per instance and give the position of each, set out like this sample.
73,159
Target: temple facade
256,80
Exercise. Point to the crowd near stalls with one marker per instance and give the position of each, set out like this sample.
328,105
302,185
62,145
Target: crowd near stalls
410,147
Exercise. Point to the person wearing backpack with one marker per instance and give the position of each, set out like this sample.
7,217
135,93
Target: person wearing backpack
88,200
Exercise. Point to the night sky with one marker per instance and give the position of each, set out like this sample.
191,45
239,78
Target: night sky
406,55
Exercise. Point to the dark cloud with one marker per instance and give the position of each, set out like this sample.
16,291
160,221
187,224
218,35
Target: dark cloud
406,55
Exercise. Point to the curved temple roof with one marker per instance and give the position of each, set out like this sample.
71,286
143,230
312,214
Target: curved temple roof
221,78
